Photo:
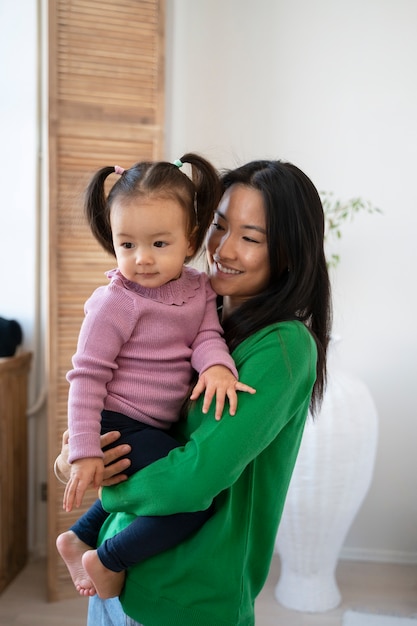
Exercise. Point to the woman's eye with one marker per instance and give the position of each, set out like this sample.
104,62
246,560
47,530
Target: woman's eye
250,240
217,226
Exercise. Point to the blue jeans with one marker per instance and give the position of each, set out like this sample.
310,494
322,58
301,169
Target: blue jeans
107,613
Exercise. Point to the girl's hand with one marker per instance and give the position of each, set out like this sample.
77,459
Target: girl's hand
219,381
84,473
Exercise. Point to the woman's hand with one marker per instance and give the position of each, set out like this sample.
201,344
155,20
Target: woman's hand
114,464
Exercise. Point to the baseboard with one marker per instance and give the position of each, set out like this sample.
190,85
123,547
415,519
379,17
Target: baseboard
378,556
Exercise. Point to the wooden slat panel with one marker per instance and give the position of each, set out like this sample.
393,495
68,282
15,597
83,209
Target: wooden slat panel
108,53
106,107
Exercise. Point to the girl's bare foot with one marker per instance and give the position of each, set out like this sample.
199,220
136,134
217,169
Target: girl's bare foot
71,550
108,584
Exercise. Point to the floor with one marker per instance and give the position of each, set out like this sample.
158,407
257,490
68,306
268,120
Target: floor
368,587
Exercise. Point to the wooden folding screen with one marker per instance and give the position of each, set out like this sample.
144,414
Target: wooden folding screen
106,88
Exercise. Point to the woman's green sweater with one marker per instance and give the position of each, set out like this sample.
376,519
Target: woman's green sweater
245,462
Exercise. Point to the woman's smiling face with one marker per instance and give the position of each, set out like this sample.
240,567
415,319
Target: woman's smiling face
237,247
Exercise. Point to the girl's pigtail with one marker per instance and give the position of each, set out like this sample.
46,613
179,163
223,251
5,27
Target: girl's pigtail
208,192
96,209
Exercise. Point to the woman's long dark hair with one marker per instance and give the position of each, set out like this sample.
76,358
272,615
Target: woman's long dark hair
299,287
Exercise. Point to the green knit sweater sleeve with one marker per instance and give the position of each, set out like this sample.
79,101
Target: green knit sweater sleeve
280,362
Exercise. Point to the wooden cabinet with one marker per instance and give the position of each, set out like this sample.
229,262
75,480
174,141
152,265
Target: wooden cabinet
13,466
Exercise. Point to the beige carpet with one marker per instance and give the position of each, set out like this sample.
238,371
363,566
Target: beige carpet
352,618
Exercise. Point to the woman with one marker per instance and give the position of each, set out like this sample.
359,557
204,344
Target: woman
267,264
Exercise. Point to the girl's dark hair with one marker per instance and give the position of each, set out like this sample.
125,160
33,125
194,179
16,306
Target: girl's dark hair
299,287
198,194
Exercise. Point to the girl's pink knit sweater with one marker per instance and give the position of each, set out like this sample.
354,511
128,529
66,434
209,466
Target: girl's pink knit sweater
136,351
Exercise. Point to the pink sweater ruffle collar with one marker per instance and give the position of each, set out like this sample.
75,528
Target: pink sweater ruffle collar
176,292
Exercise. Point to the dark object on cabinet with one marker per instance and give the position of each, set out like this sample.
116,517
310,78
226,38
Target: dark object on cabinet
10,336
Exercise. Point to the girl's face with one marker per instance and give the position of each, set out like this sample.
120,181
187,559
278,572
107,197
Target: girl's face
150,239
237,246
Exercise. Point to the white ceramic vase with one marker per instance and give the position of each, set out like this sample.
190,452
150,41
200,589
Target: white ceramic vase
331,477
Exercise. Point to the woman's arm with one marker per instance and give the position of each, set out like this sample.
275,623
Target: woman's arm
114,464
280,361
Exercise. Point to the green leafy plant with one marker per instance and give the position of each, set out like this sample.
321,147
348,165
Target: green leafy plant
337,212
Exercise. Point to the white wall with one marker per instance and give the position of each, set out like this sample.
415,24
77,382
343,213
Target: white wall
21,260
329,85
18,161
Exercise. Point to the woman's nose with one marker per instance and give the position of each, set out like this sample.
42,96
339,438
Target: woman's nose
225,248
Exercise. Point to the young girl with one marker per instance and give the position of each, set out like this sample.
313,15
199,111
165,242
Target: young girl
141,339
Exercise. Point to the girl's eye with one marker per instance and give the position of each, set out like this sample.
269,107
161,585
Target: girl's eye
160,244
250,240
217,226
127,245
